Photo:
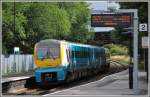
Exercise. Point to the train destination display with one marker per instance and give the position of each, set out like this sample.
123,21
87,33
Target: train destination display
111,20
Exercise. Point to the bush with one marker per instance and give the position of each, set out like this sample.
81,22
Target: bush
116,49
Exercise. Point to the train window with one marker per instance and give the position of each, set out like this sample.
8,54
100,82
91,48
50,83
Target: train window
73,54
77,54
98,54
81,54
45,53
42,53
67,52
54,52
51,49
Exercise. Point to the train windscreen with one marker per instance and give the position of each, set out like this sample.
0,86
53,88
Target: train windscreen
42,53
48,50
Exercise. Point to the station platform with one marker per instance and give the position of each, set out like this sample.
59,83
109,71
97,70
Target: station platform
15,77
115,84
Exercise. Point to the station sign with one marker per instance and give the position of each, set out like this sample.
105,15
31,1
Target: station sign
143,27
16,49
111,20
145,42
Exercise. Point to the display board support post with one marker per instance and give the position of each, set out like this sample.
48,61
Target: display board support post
135,41
135,46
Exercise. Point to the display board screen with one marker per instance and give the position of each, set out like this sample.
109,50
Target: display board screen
111,20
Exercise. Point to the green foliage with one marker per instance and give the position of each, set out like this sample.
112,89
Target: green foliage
143,18
38,21
142,9
79,15
47,21
119,36
116,49
11,38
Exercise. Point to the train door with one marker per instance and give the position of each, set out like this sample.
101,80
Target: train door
90,56
69,57
64,55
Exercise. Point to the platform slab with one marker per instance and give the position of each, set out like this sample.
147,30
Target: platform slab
15,77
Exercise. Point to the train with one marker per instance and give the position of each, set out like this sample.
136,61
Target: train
63,61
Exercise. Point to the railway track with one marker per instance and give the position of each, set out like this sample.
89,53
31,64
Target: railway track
28,86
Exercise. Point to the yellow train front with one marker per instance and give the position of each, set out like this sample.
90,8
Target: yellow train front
60,60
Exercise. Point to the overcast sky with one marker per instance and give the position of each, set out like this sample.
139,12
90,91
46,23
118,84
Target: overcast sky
100,5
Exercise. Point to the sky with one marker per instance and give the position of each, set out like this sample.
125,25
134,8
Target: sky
100,5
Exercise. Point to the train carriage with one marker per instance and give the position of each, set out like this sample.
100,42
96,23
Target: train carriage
61,60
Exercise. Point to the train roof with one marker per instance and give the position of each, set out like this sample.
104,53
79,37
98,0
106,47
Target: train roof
49,40
70,43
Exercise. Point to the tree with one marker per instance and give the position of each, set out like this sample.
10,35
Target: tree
46,20
79,15
13,36
35,21
142,14
142,9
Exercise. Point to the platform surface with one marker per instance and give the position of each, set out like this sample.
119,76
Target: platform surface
115,84
15,77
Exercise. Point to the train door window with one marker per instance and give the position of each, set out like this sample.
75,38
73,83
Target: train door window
70,56
73,54
103,57
100,60
67,52
79,54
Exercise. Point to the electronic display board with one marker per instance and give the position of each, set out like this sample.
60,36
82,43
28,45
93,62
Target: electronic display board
111,20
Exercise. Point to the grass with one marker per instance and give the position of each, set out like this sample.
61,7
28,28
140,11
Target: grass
126,60
19,74
121,58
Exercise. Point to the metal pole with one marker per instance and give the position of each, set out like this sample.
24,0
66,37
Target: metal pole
135,46
14,32
131,64
146,62
135,53
148,47
131,57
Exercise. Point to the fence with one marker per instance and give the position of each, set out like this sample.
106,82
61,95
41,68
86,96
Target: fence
16,63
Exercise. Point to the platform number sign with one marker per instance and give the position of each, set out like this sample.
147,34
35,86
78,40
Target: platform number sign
143,27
